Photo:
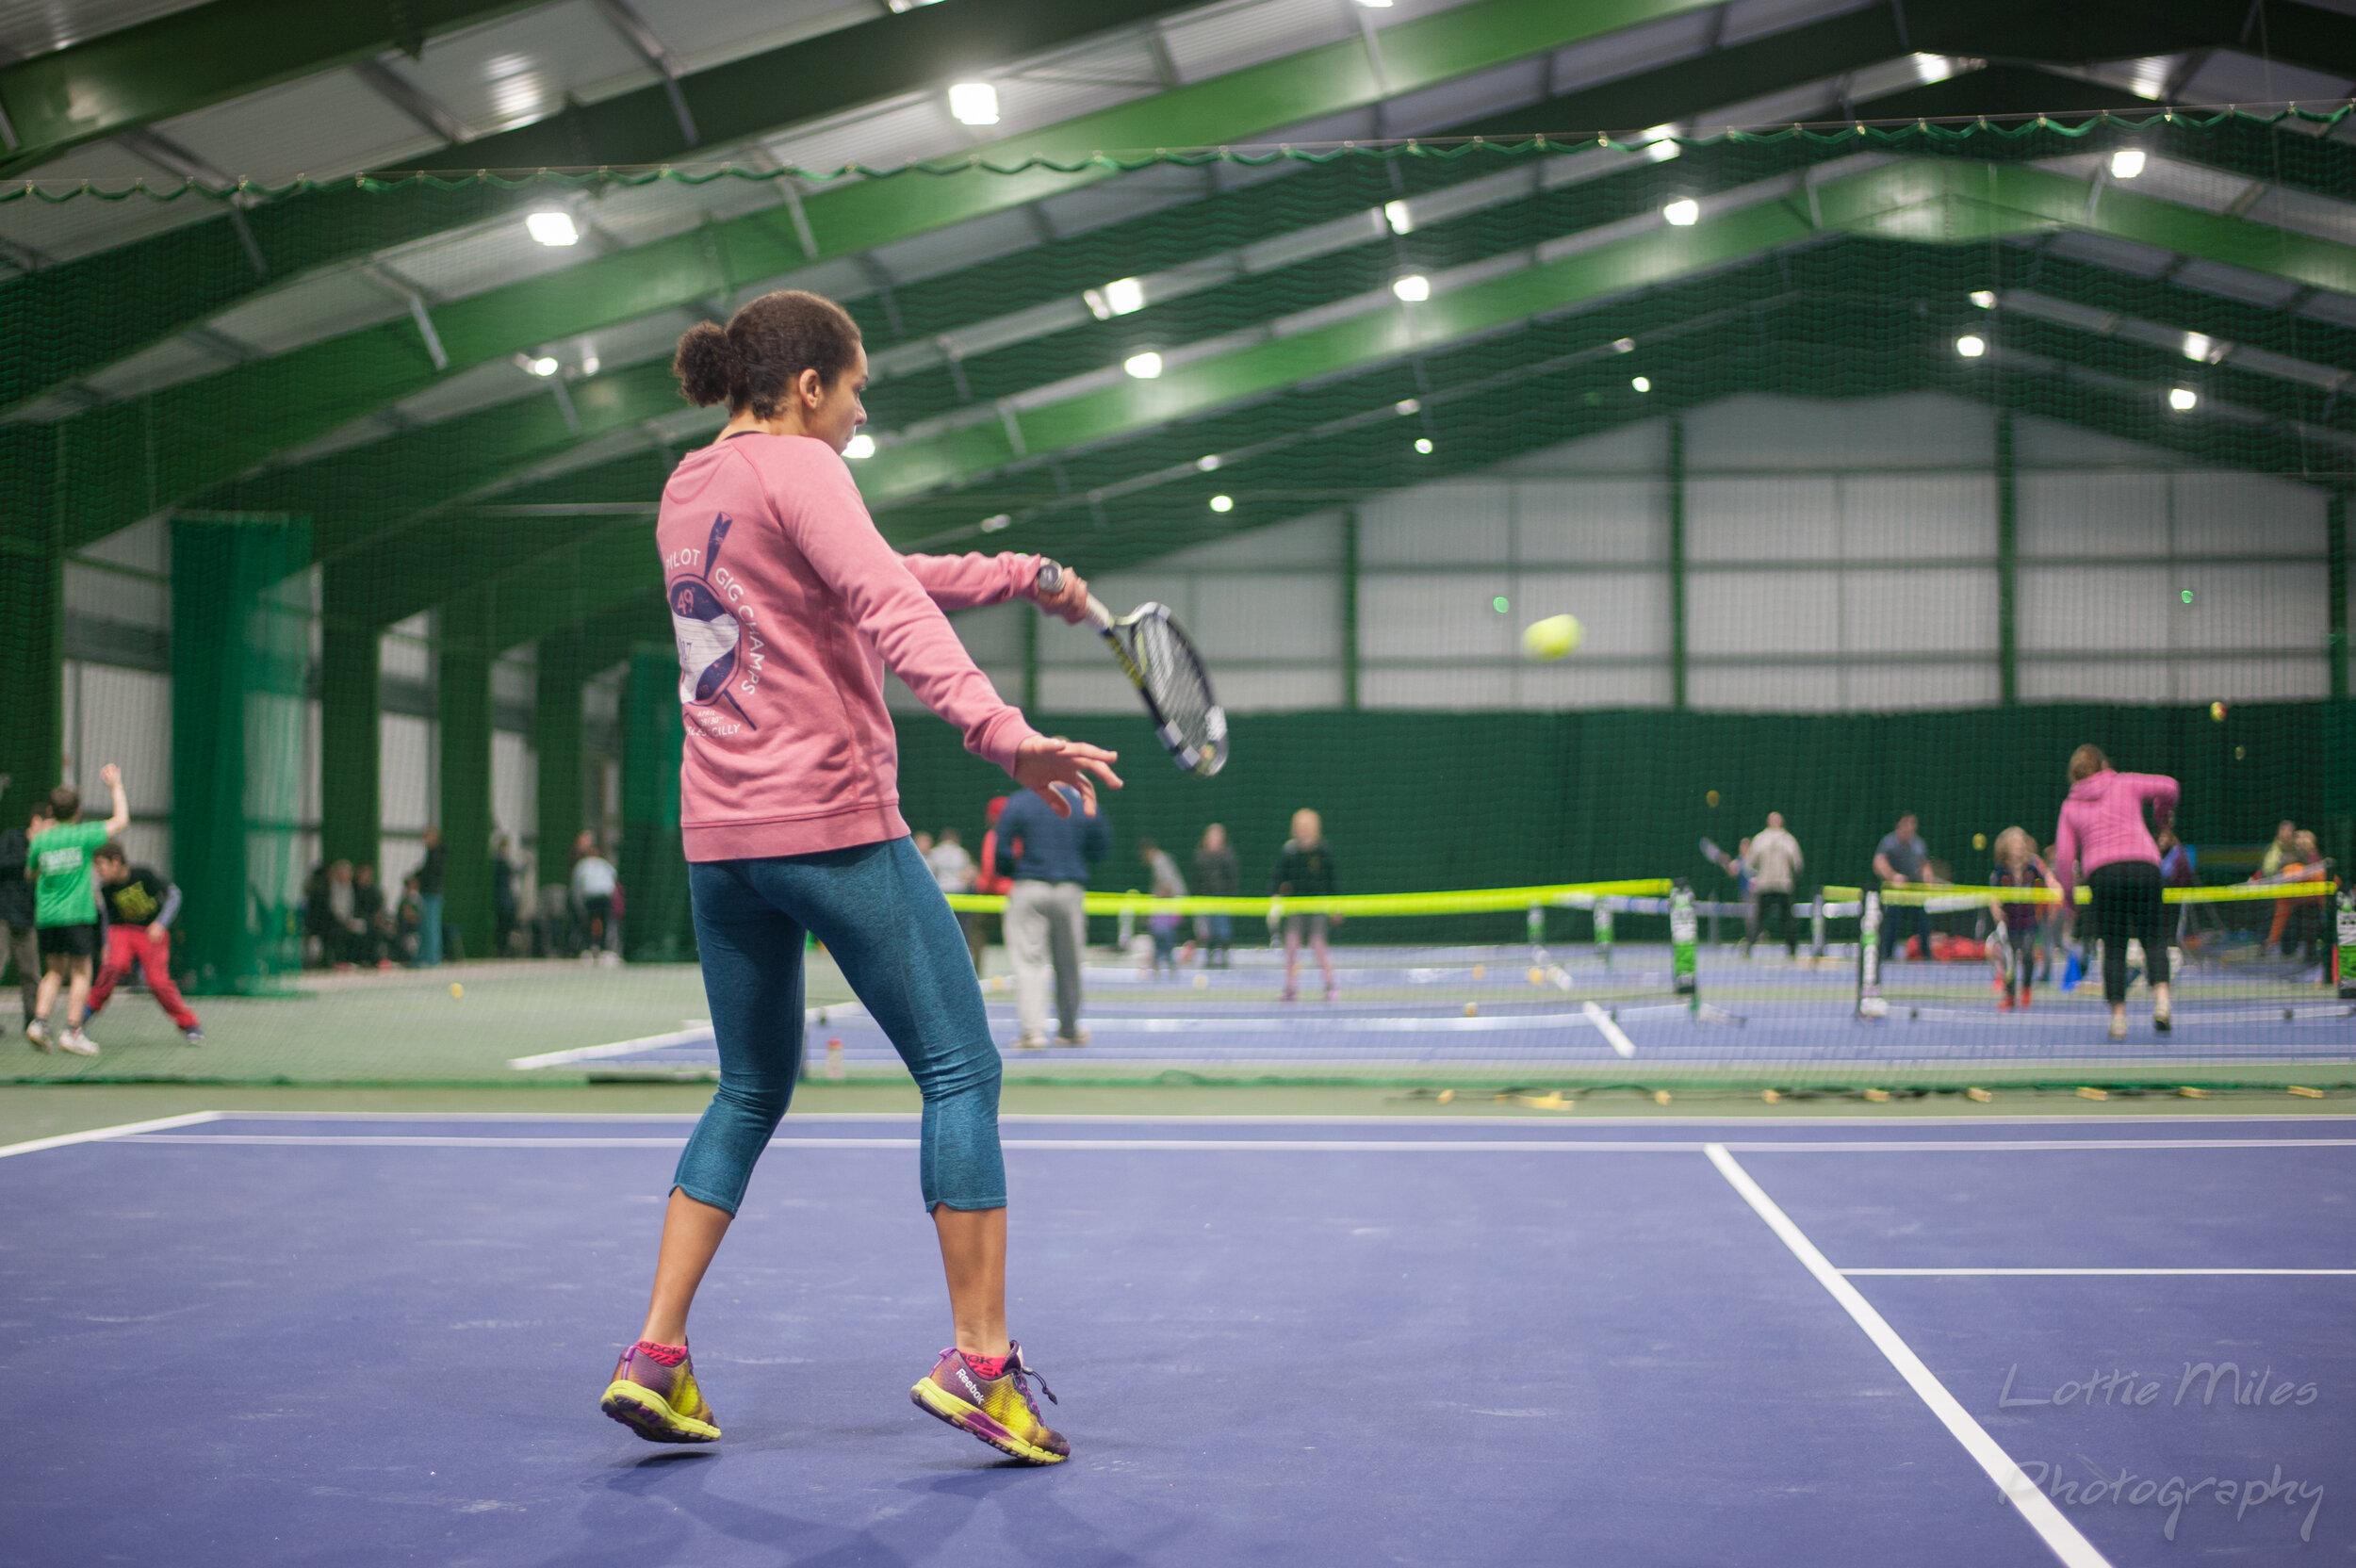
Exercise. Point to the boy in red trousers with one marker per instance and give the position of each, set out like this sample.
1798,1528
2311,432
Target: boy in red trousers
140,904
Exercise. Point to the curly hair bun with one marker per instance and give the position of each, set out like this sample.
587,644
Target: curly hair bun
707,365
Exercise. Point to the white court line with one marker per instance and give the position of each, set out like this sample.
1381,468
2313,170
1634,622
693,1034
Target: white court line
2034,1273
2172,1119
1351,1146
696,1034
98,1134
1611,1030
2042,1516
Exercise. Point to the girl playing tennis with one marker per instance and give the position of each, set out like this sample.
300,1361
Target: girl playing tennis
788,605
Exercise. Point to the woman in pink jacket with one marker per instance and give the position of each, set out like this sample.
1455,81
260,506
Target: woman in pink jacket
2103,830
788,606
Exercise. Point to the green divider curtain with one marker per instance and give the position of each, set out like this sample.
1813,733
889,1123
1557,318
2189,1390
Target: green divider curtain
242,606
657,924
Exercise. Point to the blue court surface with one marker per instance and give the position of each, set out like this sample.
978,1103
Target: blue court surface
1504,1008
362,1338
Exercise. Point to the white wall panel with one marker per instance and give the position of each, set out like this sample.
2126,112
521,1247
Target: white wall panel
1435,617
2092,513
1921,611
403,653
515,787
1738,613
124,718
2096,680
97,594
1573,684
1918,516
1925,430
405,782
2252,680
1591,520
1625,614
1890,688
149,843
1411,687
1270,615
1460,524
2236,515
2051,444
1274,689
1758,518
2095,608
1764,688
1097,688
2250,607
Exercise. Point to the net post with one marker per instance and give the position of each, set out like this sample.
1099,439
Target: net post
1868,958
1684,931
1603,932
1534,924
1816,927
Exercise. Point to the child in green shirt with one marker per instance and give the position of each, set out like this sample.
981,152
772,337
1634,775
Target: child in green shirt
65,908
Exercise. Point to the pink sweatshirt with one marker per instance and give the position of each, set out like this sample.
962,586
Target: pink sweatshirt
787,605
2101,822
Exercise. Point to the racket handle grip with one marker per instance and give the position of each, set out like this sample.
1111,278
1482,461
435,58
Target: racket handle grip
1049,582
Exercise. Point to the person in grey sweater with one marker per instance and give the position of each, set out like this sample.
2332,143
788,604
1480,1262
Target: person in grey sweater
1775,863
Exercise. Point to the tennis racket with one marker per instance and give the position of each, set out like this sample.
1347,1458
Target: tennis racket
1159,658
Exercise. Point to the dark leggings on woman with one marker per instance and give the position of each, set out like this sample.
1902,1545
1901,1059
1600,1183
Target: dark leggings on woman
2127,906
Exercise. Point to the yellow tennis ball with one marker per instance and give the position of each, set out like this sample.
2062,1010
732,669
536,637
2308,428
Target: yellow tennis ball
456,989
1552,638
1472,1009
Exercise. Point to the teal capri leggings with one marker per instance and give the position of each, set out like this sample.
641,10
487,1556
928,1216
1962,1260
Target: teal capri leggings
880,913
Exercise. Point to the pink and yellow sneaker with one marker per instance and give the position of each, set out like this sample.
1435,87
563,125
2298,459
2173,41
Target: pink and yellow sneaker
654,1394
998,1410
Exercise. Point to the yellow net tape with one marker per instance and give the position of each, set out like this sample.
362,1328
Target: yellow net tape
2234,892
1471,901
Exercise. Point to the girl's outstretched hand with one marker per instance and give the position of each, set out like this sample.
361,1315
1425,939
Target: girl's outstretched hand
1047,760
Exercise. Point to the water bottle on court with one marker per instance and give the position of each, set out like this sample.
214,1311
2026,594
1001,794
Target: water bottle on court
834,1061
1603,933
1684,934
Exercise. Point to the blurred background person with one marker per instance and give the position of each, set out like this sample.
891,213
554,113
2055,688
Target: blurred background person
429,880
1162,925
594,884
1047,911
1775,864
1304,868
1902,860
952,870
140,904
1216,875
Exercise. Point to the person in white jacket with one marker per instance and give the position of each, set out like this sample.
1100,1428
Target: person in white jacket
1775,863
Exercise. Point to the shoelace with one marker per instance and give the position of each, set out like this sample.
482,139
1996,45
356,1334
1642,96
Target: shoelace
1022,1371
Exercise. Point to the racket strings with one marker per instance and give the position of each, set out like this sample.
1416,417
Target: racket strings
1174,678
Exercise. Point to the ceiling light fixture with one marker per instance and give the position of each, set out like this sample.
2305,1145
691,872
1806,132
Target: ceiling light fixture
1971,346
2196,346
1683,213
552,228
1641,383
1423,445
1397,215
861,448
2126,163
1984,298
1408,405
544,366
2184,399
1206,464
1415,289
1222,503
1145,366
974,103
991,525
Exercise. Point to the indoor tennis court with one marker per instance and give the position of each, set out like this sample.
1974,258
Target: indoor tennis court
1545,782
1678,1340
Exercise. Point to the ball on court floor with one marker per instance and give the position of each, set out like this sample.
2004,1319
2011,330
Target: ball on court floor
1479,970
1203,982
1472,1009
1552,638
456,989
1537,975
